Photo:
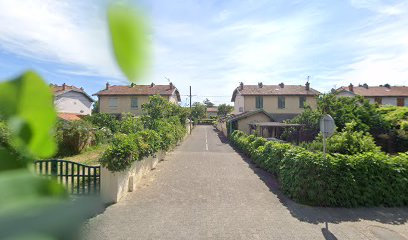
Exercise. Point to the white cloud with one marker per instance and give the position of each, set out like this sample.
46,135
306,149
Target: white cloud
215,59
66,33
380,6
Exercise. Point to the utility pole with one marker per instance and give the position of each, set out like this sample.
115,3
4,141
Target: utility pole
190,113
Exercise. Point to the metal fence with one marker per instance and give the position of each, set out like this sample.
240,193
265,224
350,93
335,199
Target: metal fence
79,179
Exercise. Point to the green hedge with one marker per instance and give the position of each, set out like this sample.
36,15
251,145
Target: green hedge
127,148
363,179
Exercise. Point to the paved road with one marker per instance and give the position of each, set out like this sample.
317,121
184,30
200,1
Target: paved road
205,190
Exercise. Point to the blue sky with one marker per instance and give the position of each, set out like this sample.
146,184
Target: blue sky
213,45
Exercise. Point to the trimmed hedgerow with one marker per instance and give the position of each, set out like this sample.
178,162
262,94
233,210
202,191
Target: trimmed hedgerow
340,180
160,129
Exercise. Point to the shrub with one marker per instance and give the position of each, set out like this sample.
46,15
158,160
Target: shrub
74,136
121,153
367,179
102,120
151,139
129,124
346,142
102,135
363,179
4,134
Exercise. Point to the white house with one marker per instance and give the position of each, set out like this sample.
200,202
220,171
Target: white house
383,94
70,101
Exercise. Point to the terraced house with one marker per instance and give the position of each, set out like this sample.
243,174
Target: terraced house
383,94
129,99
281,101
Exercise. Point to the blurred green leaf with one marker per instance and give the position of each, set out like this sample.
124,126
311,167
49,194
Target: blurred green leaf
27,103
21,188
129,40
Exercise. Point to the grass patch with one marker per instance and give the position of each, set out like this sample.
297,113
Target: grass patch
89,156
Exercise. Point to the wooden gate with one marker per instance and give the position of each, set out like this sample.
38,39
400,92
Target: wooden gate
79,179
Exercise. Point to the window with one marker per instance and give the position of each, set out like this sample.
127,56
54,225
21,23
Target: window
302,101
378,100
400,102
241,109
281,102
113,102
259,102
133,103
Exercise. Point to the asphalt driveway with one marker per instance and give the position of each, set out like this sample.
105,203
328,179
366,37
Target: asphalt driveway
206,190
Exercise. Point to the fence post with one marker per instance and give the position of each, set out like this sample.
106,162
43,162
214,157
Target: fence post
54,168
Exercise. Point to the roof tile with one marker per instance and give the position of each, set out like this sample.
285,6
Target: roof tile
379,91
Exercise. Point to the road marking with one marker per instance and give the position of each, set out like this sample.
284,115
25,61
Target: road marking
206,141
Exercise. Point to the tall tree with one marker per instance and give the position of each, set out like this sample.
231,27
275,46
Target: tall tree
198,111
208,103
224,109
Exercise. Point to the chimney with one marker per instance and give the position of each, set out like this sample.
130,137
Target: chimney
152,85
282,85
307,86
365,85
107,86
171,85
260,84
64,86
241,85
351,88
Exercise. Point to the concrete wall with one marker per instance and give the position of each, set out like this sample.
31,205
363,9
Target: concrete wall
222,127
124,104
270,104
243,124
73,102
115,185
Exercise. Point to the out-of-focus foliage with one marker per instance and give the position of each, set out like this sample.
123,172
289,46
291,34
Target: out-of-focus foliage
129,40
32,207
26,134
27,105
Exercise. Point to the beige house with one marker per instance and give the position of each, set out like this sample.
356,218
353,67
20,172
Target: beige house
212,112
279,101
129,99
71,102
383,94
244,120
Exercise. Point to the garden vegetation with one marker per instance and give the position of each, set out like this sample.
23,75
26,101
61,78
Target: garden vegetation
347,179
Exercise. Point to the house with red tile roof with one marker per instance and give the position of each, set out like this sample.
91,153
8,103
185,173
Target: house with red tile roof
129,98
212,112
383,94
279,101
71,102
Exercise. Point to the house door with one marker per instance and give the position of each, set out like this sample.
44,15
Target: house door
400,102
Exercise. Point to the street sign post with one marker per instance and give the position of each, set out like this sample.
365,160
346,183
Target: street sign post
327,127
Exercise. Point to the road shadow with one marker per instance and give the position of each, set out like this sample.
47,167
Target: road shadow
316,215
221,136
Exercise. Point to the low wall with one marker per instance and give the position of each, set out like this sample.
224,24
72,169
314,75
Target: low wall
222,126
115,185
